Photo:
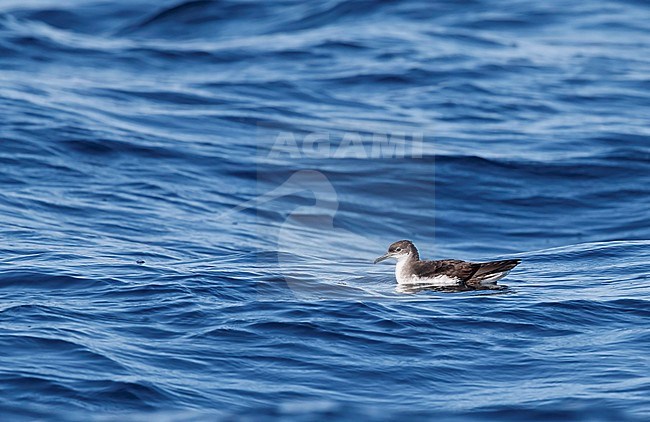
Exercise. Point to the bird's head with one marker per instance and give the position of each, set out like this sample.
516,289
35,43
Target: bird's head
402,249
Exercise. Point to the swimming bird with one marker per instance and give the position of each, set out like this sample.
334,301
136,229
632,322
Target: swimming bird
411,271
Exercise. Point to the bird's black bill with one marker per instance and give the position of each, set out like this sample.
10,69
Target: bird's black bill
381,258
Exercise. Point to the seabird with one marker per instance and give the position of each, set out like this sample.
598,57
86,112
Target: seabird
410,271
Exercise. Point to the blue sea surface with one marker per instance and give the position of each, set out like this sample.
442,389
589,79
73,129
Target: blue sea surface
192,194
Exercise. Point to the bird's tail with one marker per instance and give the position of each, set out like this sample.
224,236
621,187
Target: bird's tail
491,272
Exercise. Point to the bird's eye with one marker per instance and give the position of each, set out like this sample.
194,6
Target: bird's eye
398,249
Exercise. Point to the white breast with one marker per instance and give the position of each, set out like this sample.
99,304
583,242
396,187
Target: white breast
404,277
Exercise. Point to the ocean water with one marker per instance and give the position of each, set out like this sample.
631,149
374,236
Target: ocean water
192,194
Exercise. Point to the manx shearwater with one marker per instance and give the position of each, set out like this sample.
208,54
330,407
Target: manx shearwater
410,270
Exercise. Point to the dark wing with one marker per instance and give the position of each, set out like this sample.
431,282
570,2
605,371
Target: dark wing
454,268
469,273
